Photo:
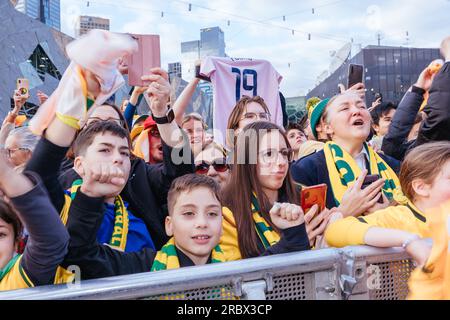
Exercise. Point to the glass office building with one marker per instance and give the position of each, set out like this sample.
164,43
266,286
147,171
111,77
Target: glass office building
387,70
211,43
46,11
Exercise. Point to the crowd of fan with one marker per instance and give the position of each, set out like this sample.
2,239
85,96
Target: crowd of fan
116,193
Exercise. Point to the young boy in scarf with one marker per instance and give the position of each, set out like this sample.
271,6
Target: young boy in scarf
194,225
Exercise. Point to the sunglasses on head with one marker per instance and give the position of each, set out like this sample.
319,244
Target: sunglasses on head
203,167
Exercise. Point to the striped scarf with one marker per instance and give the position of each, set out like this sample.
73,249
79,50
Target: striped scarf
120,232
343,171
167,257
268,236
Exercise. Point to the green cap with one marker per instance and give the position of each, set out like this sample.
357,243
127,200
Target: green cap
316,113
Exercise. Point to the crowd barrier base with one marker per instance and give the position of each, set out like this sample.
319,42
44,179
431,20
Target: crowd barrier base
358,272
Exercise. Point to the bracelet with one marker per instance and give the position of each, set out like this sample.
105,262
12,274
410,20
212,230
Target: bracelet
407,242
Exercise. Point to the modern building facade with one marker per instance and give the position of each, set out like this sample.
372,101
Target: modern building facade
46,11
175,70
86,23
211,43
387,70
32,50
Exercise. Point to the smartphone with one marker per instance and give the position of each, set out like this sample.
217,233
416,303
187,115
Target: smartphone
23,86
147,57
199,75
378,95
314,195
355,74
368,180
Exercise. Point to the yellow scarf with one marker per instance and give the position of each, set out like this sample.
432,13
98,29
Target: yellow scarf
167,257
120,233
268,236
343,171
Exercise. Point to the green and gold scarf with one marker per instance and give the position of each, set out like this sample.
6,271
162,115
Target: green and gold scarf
120,233
268,236
167,257
343,171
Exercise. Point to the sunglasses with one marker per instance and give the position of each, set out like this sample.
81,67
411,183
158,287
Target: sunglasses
203,167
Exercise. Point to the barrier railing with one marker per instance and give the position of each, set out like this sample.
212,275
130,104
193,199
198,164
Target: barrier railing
328,274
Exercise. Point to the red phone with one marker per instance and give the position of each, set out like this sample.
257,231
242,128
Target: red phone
314,195
147,57
368,180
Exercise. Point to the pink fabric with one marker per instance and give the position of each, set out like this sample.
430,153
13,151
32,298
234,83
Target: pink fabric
225,81
99,52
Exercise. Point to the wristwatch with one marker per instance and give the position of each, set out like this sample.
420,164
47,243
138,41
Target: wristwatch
168,118
418,90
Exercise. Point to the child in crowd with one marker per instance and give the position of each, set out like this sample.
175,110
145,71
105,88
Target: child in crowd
194,225
28,203
424,178
142,198
382,116
296,138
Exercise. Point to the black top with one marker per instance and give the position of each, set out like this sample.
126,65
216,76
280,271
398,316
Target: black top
48,238
435,127
146,189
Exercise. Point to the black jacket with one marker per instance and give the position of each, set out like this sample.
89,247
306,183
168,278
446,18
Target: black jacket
48,239
146,189
96,260
395,142
435,127
312,170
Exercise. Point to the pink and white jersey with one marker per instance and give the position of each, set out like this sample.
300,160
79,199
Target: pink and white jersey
234,78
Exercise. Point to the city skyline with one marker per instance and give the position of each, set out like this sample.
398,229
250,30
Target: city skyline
299,60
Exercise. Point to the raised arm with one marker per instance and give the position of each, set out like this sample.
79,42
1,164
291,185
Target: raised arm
182,102
86,215
437,123
48,238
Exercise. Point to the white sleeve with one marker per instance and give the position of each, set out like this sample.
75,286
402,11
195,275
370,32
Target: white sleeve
208,67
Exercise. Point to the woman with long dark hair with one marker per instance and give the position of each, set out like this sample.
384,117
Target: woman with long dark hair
259,192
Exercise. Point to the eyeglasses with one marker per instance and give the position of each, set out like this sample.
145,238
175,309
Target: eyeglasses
10,152
203,167
271,155
155,133
96,119
255,116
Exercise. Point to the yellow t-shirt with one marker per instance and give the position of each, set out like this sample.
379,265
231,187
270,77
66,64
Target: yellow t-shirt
351,231
15,278
433,281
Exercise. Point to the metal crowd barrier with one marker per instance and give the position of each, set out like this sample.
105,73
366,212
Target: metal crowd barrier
328,274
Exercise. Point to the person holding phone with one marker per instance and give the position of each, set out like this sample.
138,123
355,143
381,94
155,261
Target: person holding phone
260,188
19,97
347,157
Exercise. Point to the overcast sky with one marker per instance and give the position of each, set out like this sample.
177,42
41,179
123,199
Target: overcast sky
257,29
